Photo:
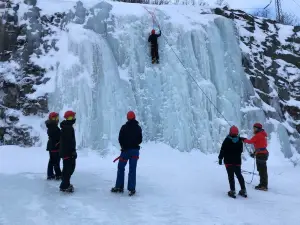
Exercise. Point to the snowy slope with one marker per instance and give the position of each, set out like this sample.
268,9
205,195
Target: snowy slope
174,188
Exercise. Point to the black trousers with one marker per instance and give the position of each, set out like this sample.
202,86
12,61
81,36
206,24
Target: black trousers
231,170
68,170
53,164
261,163
154,52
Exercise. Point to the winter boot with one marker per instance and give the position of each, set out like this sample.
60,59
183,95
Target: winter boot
243,193
232,194
132,192
117,190
51,177
70,189
57,177
153,60
261,188
257,187
157,61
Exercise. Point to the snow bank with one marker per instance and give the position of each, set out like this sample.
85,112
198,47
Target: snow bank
172,188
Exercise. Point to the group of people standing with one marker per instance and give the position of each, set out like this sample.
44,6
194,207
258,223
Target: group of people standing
62,145
231,151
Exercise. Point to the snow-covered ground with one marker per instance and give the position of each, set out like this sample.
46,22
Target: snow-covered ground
173,188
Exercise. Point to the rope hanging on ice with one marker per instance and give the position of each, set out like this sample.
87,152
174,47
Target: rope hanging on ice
154,20
152,14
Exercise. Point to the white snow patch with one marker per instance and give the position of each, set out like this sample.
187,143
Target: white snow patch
267,107
166,192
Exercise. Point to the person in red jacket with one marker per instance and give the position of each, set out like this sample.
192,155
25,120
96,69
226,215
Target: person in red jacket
259,140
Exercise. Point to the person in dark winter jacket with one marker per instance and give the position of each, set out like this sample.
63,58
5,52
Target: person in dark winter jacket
130,138
154,46
53,147
68,150
259,140
231,152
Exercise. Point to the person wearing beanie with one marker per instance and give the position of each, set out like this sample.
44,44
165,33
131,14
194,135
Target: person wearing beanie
259,140
130,138
53,132
231,152
68,150
154,46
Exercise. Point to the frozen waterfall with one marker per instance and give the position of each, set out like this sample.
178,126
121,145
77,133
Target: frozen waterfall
106,70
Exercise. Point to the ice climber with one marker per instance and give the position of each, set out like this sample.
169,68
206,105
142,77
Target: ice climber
231,152
154,46
130,138
53,132
68,150
259,140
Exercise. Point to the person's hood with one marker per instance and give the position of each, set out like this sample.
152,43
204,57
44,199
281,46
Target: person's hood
234,139
51,123
67,123
262,132
132,122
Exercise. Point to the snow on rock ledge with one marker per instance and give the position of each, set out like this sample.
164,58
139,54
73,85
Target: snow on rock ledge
272,62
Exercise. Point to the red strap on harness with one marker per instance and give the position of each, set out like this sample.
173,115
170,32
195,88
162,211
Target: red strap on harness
116,159
227,165
124,160
54,150
66,157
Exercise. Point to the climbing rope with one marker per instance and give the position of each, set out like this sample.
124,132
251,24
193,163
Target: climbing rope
154,20
254,165
195,81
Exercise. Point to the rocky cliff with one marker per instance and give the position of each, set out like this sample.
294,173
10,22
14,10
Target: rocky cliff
271,58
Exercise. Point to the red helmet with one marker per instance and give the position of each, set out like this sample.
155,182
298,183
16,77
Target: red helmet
69,115
53,116
258,125
234,130
153,31
130,115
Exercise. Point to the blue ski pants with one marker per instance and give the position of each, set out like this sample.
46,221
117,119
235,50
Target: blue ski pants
132,156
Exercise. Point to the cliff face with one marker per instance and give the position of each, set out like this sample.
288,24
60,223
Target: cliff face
19,40
29,39
271,58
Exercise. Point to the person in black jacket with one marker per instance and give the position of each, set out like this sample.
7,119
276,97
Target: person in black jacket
68,150
130,138
231,151
154,46
53,147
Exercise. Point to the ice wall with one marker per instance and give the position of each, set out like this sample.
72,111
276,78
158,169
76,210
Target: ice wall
105,71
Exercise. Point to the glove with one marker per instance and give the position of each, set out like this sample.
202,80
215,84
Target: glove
74,155
252,155
220,161
243,139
